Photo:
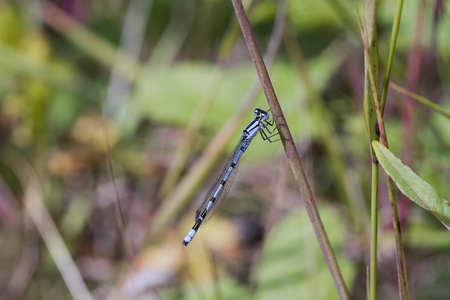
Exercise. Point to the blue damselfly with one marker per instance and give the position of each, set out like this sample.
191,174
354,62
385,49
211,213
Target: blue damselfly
221,186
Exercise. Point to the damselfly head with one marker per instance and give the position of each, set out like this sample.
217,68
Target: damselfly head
264,115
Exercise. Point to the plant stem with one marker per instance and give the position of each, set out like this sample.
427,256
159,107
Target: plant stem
393,42
371,63
291,151
374,232
401,267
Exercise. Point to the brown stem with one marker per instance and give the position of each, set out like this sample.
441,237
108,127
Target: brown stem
291,150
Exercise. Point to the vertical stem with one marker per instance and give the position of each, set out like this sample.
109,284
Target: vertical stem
400,254
291,151
374,232
401,267
370,92
393,42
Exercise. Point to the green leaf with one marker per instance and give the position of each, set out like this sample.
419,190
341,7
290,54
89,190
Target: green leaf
412,185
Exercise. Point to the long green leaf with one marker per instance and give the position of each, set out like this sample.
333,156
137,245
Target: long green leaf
411,185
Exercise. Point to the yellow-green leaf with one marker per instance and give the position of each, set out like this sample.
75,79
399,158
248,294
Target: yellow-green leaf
411,185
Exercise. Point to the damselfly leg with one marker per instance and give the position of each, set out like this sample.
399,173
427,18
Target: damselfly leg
266,136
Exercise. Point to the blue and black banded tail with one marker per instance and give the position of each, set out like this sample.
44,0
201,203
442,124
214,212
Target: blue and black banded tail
217,192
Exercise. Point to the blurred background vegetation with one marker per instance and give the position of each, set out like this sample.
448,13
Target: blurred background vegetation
107,108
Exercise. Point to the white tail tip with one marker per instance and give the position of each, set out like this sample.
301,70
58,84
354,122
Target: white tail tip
189,237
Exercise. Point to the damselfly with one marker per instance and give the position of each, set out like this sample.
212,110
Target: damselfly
221,186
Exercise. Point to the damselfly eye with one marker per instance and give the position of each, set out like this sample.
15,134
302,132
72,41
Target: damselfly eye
256,111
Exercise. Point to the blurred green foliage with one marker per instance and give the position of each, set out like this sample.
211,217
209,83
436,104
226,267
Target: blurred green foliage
292,264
